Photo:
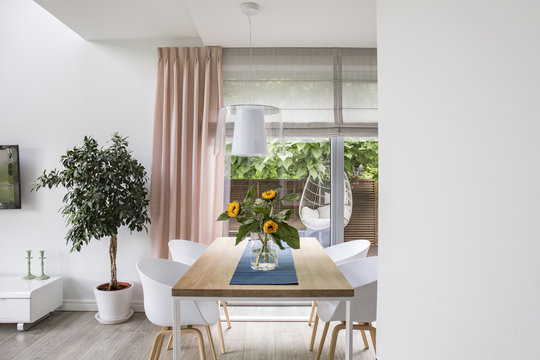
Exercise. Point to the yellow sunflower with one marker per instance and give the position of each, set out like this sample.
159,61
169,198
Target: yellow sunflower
269,195
270,227
233,209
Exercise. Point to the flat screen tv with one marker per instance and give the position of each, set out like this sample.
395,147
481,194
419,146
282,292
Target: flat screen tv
10,180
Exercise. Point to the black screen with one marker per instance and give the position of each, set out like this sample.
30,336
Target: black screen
10,182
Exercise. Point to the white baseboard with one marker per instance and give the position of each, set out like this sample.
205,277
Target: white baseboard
90,305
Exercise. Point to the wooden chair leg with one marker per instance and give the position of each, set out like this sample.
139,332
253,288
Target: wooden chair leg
211,342
323,337
314,332
313,307
226,311
333,341
169,343
366,344
373,333
157,344
200,341
221,340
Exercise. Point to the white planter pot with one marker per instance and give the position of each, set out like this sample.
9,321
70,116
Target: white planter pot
113,306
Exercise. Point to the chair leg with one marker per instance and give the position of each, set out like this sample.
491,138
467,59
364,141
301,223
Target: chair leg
314,332
366,344
226,311
333,341
211,341
157,344
313,307
200,340
373,333
169,343
323,337
221,340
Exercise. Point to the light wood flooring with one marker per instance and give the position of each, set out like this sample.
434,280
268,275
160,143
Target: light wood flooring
77,335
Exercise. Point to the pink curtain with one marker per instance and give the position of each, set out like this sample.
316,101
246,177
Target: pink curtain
187,178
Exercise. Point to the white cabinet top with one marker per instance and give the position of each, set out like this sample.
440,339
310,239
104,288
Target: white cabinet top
15,287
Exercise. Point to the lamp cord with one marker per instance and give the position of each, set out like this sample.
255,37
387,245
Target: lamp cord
250,61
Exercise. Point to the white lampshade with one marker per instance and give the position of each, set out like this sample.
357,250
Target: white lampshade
249,137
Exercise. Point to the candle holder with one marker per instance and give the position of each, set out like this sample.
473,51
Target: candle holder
42,257
29,276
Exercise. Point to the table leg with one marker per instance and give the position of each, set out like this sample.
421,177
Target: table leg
177,354
348,333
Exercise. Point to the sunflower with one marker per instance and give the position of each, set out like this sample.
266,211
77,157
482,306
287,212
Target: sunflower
270,227
269,195
233,209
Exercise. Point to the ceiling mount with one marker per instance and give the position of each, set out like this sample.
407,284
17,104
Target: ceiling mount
250,8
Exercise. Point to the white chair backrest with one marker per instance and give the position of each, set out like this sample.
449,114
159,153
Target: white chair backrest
185,251
362,275
348,251
158,276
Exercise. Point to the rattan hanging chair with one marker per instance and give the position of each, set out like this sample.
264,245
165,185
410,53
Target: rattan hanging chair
314,205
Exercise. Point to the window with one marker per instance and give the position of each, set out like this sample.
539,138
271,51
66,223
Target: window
325,95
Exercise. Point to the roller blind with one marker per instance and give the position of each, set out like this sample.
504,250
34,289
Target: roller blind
323,92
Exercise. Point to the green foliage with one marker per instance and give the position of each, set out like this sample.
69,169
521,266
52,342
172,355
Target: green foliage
106,189
300,159
254,213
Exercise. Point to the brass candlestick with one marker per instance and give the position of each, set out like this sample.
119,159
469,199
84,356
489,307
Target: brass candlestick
29,276
42,257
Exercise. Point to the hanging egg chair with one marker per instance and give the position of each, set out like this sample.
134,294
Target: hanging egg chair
314,205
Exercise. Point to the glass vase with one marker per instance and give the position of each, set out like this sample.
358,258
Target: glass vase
264,252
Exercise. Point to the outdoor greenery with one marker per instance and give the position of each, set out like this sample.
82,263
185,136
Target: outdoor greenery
106,189
300,159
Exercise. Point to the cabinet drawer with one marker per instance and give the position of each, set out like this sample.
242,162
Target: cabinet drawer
14,310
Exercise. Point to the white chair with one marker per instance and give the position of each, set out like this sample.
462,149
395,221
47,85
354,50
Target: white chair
348,251
362,275
342,254
187,252
158,276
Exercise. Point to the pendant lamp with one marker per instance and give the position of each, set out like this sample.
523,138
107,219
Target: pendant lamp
250,125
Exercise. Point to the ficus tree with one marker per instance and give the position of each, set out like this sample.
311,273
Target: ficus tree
106,189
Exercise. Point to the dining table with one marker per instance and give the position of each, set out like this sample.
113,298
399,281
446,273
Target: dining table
210,276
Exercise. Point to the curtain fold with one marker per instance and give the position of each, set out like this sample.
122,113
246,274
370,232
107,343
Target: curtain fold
187,178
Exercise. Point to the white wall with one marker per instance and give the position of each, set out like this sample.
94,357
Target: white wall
459,135
55,88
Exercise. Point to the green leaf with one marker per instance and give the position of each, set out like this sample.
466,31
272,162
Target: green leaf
260,203
277,241
288,234
290,197
283,215
245,229
224,216
250,194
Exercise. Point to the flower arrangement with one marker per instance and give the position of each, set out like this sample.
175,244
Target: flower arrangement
257,216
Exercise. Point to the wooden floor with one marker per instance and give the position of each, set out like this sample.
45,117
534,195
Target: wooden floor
77,335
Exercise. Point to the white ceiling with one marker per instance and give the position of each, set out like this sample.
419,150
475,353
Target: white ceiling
284,23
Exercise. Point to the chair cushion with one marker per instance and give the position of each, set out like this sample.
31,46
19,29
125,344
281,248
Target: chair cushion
308,213
324,212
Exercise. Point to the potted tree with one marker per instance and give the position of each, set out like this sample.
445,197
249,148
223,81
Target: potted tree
106,189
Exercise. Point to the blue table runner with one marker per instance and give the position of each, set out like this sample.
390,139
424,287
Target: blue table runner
285,274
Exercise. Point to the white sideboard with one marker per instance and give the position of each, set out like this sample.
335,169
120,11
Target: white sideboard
26,302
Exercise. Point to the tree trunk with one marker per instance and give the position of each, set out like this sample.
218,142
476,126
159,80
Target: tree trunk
113,284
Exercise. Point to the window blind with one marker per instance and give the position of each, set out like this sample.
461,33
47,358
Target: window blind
322,92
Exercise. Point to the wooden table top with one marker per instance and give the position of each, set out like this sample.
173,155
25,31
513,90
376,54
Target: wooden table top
317,274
